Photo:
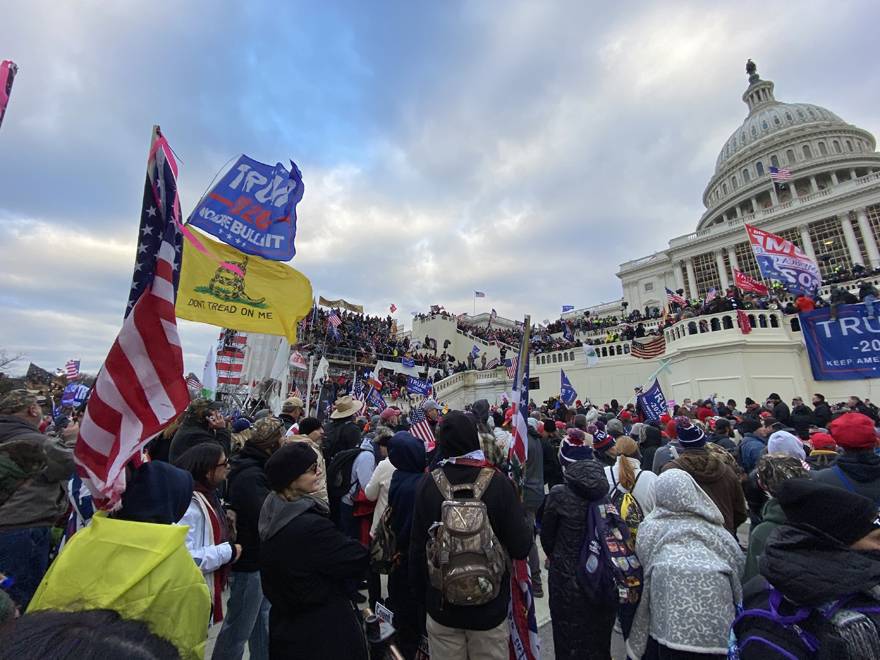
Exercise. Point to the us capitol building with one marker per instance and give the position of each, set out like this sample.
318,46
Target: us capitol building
830,208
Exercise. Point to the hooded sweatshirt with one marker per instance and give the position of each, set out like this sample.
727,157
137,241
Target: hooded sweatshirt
860,468
407,455
718,480
691,571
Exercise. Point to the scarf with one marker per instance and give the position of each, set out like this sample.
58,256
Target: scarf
475,458
216,521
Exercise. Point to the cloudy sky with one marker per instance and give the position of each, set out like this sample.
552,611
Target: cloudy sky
524,149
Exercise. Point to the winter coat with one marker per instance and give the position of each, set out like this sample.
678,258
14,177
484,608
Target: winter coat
648,446
862,469
304,565
781,413
246,489
195,432
772,516
750,449
691,571
494,450
821,459
811,569
822,415
580,628
34,500
552,469
533,490
377,491
666,454
645,481
802,418
718,480
723,441
509,524
343,434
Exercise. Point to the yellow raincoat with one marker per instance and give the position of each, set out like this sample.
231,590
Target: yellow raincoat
141,570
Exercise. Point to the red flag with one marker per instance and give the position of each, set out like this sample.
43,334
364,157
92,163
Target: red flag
393,308
141,388
742,320
745,283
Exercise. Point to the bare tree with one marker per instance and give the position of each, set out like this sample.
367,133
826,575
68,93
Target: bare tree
6,359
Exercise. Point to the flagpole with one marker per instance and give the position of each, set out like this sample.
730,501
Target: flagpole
309,384
664,364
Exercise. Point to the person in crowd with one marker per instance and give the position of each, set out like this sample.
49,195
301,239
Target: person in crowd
823,451
581,627
159,447
305,564
34,470
691,575
627,475
869,297
407,455
457,631
779,409
311,432
240,431
818,559
377,487
821,411
208,538
603,447
390,419
550,448
162,587
86,634
432,413
614,428
669,451
649,445
354,503
801,417
783,442
533,498
857,469
753,443
772,471
575,446
721,435
343,434
855,404
711,474
202,422
494,451
247,615
291,413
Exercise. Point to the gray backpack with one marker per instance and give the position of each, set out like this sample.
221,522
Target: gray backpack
466,562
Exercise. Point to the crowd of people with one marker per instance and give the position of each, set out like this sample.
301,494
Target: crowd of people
713,528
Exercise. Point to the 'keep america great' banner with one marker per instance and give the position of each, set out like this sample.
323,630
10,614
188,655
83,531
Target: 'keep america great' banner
782,260
253,209
845,348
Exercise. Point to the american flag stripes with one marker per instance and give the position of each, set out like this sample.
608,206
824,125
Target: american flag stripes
479,294
512,366
673,297
230,358
494,362
141,387
71,370
334,319
193,383
780,174
648,348
421,428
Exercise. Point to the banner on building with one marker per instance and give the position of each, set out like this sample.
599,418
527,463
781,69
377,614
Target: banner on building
253,208
264,296
781,260
847,348
745,283
653,403
344,304
418,386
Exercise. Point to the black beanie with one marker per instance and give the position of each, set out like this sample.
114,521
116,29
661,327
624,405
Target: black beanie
837,512
289,463
457,435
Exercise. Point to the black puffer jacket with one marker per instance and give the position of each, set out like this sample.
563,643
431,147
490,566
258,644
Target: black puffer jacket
580,629
247,488
862,469
809,569
649,446
192,433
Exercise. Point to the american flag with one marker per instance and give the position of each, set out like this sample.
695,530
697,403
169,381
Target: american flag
230,357
778,174
673,297
648,348
479,294
193,383
512,366
494,362
141,387
421,428
357,393
711,294
334,319
71,369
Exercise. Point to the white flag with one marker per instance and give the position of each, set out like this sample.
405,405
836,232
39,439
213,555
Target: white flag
591,355
209,374
321,372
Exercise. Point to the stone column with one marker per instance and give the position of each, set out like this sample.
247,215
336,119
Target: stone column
722,271
692,278
754,202
834,177
773,196
852,174
679,276
739,212
868,237
734,262
807,241
792,189
851,244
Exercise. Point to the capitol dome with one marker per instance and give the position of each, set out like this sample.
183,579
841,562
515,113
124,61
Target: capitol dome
800,137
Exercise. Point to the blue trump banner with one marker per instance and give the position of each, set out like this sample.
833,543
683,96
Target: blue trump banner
418,386
653,403
408,362
783,261
846,348
74,395
374,398
253,208
567,392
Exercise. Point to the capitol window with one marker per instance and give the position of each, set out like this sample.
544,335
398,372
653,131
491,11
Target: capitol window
800,113
849,146
774,161
808,153
776,120
724,188
754,131
764,125
746,176
789,156
649,286
759,166
836,146
788,116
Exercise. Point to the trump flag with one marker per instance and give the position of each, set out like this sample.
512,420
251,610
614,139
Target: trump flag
782,260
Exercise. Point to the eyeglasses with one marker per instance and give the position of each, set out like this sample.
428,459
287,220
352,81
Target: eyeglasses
223,464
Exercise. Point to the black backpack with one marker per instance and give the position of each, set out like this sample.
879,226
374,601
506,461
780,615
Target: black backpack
339,472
